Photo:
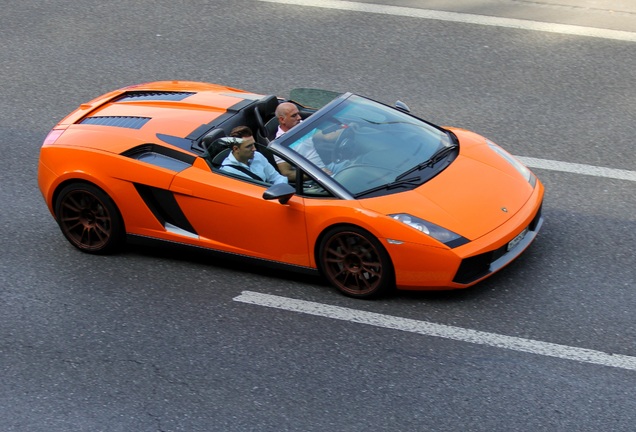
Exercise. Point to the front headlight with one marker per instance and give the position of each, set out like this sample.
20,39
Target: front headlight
440,234
525,172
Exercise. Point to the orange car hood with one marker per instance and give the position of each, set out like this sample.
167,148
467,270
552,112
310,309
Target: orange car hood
471,197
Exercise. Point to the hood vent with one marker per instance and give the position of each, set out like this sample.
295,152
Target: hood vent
117,121
153,95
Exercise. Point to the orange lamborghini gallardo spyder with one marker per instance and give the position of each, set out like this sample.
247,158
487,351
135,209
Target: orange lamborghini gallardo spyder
401,203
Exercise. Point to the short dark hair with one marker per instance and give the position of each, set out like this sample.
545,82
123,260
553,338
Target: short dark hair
241,132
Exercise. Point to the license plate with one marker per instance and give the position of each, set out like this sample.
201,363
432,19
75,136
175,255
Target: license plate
515,241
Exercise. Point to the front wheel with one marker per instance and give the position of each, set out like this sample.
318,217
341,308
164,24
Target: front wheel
89,219
355,262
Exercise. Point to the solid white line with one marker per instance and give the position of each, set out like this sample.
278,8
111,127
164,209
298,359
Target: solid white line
464,18
439,330
575,168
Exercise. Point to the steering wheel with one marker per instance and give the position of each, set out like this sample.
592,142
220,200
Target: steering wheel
344,146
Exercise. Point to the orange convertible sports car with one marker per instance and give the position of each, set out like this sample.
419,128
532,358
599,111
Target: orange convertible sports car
404,204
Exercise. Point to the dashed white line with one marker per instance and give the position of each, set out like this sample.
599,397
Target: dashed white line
464,18
575,168
439,330
500,22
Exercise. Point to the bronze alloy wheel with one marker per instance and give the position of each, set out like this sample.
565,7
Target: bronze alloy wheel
355,262
89,219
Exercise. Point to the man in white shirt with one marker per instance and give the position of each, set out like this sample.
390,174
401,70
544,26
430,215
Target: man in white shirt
288,117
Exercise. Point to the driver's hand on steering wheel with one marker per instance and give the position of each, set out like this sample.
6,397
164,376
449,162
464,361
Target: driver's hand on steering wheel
333,136
353,126
332,133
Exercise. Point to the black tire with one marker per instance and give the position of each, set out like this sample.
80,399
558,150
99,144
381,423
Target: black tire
89,219
355,262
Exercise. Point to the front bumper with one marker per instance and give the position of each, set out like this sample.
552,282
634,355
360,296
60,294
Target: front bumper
477,267
427,268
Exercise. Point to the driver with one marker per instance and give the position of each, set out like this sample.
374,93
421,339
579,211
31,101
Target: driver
288,117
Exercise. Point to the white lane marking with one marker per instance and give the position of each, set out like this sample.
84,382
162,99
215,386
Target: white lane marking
464,18
575,168
439,330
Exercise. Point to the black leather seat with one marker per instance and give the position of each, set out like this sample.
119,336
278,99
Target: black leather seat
217,147
264,111
271,127
218,159
208,143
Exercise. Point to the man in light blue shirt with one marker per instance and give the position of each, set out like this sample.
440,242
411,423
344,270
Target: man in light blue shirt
245,161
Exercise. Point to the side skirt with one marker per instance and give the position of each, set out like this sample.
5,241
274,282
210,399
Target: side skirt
176,249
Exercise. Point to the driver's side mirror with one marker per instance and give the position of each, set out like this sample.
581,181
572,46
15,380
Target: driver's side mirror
281,191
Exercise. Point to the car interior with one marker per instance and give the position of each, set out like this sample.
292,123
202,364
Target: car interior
259,117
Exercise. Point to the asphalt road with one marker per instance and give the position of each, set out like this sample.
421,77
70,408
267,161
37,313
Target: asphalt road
152,340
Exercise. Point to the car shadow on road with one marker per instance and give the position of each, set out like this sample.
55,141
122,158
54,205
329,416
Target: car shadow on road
235,263
224,261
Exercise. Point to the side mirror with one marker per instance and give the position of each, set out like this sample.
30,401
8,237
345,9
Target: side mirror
282,192
402,106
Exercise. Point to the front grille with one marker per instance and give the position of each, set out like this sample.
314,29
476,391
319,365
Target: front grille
537,218
473,268
117,121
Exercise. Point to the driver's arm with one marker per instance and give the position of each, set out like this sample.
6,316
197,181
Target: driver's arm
329,134
287,170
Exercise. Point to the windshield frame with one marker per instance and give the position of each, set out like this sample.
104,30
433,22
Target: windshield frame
282,145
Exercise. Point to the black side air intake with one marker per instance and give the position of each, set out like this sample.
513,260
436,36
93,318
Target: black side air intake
164,206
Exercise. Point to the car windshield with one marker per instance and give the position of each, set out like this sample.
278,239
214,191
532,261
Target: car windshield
370,148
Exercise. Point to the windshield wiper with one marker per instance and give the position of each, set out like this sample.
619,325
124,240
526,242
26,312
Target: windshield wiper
437,156
413,181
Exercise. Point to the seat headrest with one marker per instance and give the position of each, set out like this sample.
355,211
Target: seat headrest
210,138
267,105
220,144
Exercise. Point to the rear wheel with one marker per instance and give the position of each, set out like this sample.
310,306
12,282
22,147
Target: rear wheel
355,262
89,219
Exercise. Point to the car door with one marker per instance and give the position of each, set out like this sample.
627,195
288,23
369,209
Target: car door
230,214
